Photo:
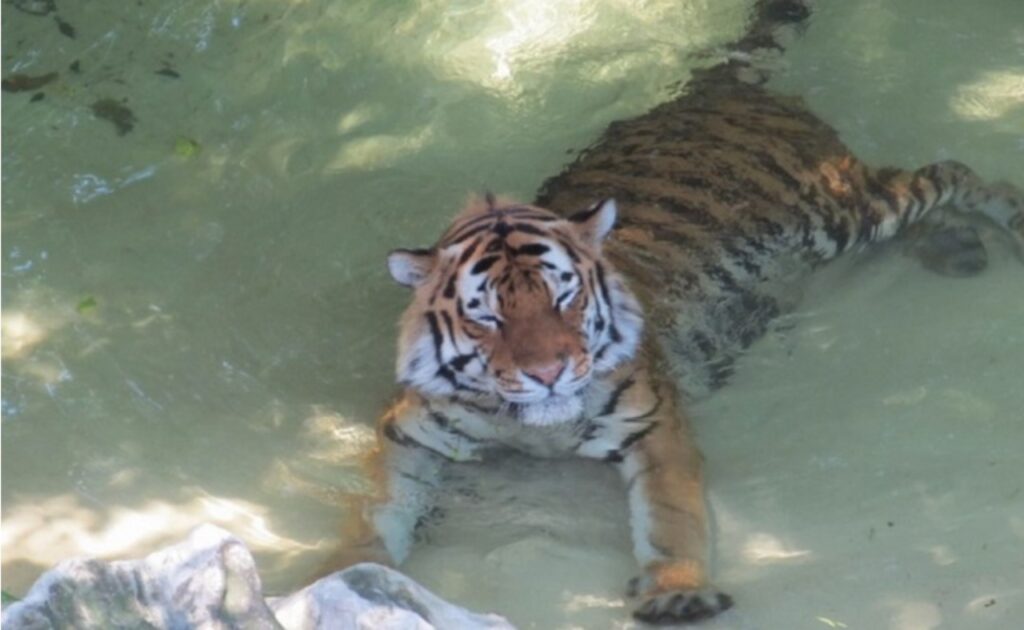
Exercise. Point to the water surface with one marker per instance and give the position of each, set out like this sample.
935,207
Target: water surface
198,325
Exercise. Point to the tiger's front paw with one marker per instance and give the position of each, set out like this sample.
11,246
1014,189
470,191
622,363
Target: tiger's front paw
682,606
679,604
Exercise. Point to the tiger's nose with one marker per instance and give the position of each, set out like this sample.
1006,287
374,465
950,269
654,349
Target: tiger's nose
547,374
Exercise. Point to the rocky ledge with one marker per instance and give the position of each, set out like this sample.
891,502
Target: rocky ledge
209,581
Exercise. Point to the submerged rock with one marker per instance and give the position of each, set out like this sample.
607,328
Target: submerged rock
210,582
26,83
115,112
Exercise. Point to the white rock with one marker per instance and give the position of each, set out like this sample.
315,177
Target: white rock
210,581
370,596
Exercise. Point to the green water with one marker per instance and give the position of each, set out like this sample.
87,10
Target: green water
198,326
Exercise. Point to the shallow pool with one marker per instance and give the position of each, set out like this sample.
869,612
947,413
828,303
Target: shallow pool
198,324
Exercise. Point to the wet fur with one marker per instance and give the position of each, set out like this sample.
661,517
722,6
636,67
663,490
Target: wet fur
730,195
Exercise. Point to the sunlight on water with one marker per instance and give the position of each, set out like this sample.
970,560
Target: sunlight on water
991,97
52,529
198,325
20,333
763,547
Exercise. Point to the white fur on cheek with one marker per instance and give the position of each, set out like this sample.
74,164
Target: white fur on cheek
417,365
417,361
628,320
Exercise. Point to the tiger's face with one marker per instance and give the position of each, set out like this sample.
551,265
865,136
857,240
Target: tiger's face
515,305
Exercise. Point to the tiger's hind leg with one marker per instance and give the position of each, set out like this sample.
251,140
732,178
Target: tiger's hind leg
947,248
902,198
1002,203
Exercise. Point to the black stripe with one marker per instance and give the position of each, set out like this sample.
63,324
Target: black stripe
722,277
768,162
397,436
469,252
476,407
529,229
451,329
647,414
564,296
414,252
704,342
569,249
584,216
604,285
616,337
447,374
435,333
719,371
464,235
598,311
744,258
483,264
613,400
532,249
919,195
445,424
617,455
878,191
459,362
639,435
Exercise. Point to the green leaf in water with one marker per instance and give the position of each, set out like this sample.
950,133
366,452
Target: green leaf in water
86,305
186,147
7,598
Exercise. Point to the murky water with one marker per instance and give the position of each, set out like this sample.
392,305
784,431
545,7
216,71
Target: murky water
197,324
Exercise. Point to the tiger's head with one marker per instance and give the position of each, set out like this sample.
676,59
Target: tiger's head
518,306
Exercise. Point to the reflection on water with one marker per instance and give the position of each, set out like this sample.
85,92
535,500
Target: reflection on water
197,325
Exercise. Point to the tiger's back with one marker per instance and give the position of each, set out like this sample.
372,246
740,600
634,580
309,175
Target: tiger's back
730,194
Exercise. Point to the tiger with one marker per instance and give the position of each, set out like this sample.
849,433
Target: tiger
584,322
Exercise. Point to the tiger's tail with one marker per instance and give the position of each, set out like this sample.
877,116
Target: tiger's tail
752,58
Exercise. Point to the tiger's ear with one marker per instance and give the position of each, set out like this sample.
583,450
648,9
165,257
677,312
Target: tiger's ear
593,224
410,267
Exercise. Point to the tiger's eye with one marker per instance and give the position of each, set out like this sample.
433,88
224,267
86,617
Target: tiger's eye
473,303
566,276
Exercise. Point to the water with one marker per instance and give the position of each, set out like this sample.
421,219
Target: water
198,325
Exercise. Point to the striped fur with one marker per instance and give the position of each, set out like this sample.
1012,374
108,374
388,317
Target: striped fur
509,293
525,328
731,194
